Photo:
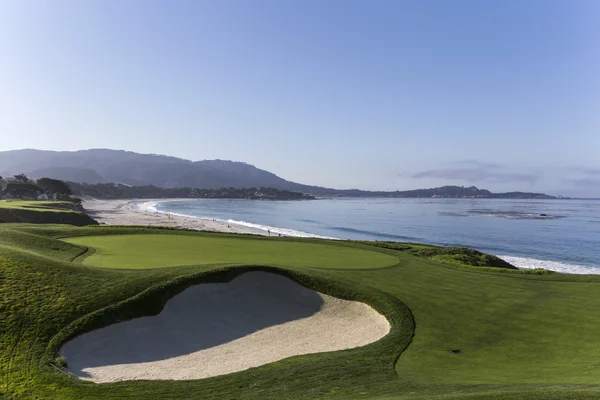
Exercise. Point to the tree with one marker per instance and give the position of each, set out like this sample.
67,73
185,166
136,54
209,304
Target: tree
21,178
54,186
23,190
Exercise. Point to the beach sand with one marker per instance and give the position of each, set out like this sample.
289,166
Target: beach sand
136,212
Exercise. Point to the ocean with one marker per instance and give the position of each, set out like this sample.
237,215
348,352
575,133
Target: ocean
561,235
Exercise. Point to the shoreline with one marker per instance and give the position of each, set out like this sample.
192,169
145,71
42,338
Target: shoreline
133,212
141,212
528,263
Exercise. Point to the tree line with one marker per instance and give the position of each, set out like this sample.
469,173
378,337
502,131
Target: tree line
20,186
119,191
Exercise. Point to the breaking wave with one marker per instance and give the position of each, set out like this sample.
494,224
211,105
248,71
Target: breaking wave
151,206
532,263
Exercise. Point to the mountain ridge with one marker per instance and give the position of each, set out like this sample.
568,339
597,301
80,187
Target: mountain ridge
98,166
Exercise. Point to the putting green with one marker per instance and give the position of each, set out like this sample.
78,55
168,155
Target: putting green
163,250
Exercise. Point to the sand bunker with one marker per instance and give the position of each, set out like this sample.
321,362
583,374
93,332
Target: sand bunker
219,328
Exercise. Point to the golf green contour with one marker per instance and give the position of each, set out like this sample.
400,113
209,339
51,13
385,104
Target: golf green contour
157,251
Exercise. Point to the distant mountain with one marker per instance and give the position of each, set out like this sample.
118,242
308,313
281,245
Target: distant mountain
69,174
105,166
469,192
128,168
447,192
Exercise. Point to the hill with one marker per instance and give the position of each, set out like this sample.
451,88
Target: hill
453,192
118,166
128,168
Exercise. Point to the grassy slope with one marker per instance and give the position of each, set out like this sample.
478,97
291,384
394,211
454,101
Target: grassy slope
43,212
520,336
151,251
509,328
39,205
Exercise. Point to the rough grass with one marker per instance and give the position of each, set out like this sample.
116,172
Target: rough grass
519,336
457,256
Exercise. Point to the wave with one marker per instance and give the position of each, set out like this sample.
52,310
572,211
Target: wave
148,206
532,263
519,262
151,206
275,230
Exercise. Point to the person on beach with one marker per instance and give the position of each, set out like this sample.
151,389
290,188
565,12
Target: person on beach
268,230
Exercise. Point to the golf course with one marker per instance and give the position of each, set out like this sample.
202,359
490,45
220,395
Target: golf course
43,212
289,318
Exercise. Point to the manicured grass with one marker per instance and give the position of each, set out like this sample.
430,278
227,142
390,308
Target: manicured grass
520,336
154,251
36,205
508,328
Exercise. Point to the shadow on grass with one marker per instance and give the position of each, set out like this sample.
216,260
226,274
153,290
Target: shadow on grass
200,317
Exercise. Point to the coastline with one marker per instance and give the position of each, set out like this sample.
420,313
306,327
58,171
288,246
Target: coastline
140,212
556,266
143,212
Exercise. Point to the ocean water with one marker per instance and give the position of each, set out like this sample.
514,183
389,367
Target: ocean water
561,235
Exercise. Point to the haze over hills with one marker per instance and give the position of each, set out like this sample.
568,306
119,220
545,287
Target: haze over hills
164,172
104,166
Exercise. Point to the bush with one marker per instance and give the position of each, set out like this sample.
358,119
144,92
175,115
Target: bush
461,255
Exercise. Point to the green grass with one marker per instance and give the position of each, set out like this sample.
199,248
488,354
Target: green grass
520,336
508,328
43,212
153,251
37,205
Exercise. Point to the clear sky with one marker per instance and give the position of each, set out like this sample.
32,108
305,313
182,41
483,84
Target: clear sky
375,94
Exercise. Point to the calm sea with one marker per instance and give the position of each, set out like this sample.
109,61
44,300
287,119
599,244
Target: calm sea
562,235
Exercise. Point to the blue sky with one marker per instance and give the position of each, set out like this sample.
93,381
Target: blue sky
371,94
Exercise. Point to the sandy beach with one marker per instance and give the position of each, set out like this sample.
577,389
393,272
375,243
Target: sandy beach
137,212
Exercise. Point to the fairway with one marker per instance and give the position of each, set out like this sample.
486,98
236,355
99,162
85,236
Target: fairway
153,251
509,328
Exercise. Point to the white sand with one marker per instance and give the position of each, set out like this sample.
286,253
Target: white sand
220,328
128,212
